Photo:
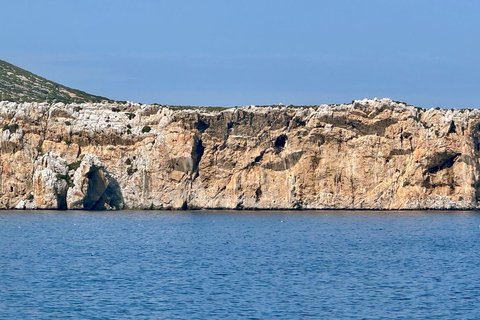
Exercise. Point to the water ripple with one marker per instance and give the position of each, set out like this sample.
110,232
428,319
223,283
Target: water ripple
224,265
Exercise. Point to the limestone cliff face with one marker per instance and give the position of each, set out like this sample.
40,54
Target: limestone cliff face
371,154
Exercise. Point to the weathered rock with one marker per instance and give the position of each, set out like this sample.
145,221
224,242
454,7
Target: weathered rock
93,188
371,154
50,182
80,183
27,204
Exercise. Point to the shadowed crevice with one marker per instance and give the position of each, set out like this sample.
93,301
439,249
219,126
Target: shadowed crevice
197,154
62,200
445,162
280,142
103,192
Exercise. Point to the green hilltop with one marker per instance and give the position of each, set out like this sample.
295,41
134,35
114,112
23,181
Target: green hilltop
20,85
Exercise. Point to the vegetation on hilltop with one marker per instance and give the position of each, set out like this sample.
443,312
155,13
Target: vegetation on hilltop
20,85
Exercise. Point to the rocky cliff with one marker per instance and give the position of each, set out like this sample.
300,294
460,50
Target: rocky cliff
371,154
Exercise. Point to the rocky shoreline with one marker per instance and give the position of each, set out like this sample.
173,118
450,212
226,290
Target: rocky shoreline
370,154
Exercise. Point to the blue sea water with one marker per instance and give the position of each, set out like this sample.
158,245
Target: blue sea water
239,265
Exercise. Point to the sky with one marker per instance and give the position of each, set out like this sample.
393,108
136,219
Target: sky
243,52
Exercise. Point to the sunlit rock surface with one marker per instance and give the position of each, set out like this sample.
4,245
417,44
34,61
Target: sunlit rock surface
50,182
371,154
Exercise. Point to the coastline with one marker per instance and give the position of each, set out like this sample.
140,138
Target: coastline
368,155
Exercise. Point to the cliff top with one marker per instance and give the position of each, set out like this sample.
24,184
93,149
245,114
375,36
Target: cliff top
135,118
129,107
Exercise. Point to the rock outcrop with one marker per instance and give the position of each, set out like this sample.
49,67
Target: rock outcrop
93,188
370,154
50,182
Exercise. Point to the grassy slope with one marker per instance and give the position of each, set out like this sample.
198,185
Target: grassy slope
20,85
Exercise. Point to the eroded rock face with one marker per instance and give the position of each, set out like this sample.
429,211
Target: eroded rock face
50,182
371,154
80,183
93,188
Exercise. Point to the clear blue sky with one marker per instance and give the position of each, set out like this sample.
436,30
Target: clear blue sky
220,52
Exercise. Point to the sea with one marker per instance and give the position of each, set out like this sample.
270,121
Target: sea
239,265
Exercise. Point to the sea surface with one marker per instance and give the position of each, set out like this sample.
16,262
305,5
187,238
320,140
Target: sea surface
239,265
